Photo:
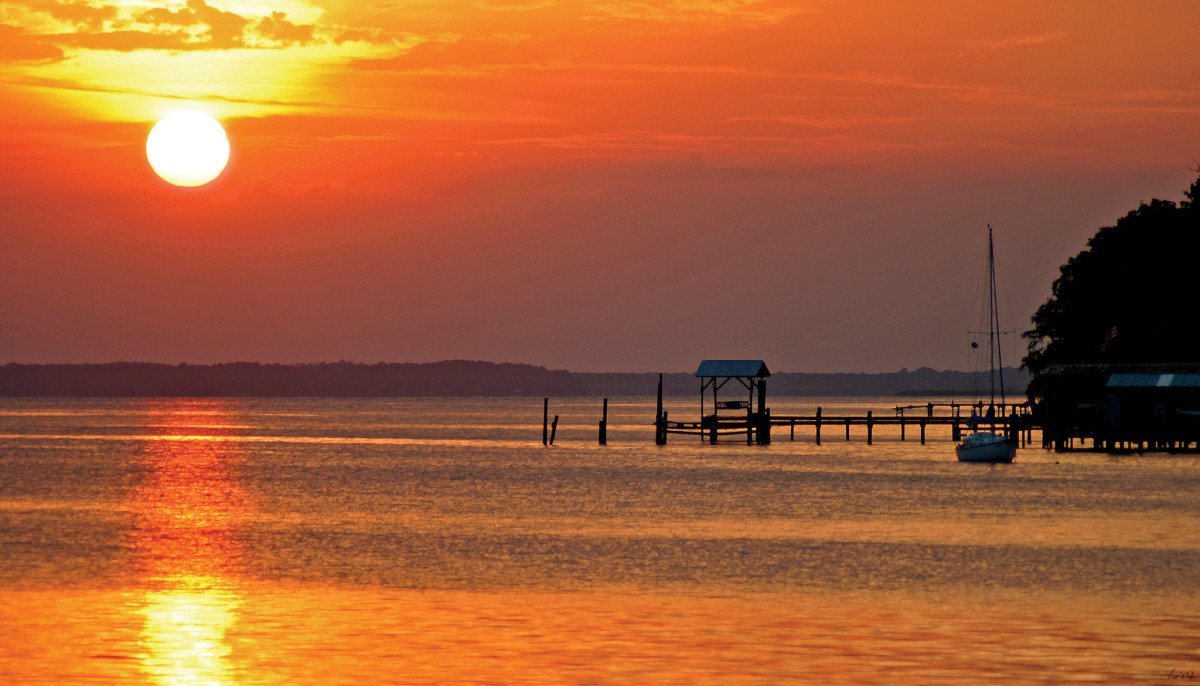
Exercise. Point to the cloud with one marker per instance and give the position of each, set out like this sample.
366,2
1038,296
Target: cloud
276,28
82,14
195,25
222,30
750,12
17,46
369,36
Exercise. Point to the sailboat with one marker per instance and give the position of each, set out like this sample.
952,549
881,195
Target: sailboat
988,445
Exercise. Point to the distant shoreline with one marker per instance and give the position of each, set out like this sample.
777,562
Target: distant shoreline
456,378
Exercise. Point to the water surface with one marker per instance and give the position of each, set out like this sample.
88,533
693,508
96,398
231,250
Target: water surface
232,541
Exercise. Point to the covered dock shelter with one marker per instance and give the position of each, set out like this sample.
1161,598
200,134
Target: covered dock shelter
728,417
750,374
735,415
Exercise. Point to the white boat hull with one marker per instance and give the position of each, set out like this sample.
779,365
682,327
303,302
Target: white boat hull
986,447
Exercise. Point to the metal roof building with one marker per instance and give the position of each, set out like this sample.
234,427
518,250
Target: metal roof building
1148,406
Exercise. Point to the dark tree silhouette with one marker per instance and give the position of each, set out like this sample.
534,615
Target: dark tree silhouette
1132,296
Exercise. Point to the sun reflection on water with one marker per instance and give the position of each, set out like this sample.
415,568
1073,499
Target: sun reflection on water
185,634
188,510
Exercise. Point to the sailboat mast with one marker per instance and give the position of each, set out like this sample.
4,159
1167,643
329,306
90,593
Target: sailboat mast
995,357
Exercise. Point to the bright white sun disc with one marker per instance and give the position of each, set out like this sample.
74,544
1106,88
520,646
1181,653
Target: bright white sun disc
187,148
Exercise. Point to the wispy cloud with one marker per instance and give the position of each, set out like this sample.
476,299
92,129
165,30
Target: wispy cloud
621,143
841,121
1015,41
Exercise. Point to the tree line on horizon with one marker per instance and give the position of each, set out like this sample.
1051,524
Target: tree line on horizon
448,378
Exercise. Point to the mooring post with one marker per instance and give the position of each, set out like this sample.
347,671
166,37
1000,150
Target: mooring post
817,425
847,428
922,432
604,424
901,426
660,420
553,429
870,425
793,423
545,421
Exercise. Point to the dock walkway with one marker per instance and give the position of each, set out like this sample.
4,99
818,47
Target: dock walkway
1014,419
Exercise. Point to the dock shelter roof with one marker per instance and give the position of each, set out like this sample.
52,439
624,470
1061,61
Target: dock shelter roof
732,368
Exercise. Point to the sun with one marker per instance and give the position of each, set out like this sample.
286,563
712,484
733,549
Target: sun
187,148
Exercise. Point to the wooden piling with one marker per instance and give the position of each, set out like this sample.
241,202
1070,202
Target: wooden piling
817,425
922,432
660,418
902,423
762,432
545,421
553,429
604,424
870,426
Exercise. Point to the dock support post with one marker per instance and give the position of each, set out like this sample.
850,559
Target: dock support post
604,424
847,429
545,421
817,425
870,425
763,431
922,432
902,422
793,423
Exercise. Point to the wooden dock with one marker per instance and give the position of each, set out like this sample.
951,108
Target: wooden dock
756,427
752,418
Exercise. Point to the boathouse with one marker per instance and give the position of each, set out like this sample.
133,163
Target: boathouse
1122,406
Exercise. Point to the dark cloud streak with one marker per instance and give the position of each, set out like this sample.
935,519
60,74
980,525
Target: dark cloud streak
17,46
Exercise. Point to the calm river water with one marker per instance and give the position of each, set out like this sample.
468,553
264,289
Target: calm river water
436,541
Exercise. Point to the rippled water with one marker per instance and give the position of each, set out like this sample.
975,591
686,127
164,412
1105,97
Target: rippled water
434,541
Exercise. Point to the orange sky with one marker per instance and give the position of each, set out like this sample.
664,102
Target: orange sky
586,185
